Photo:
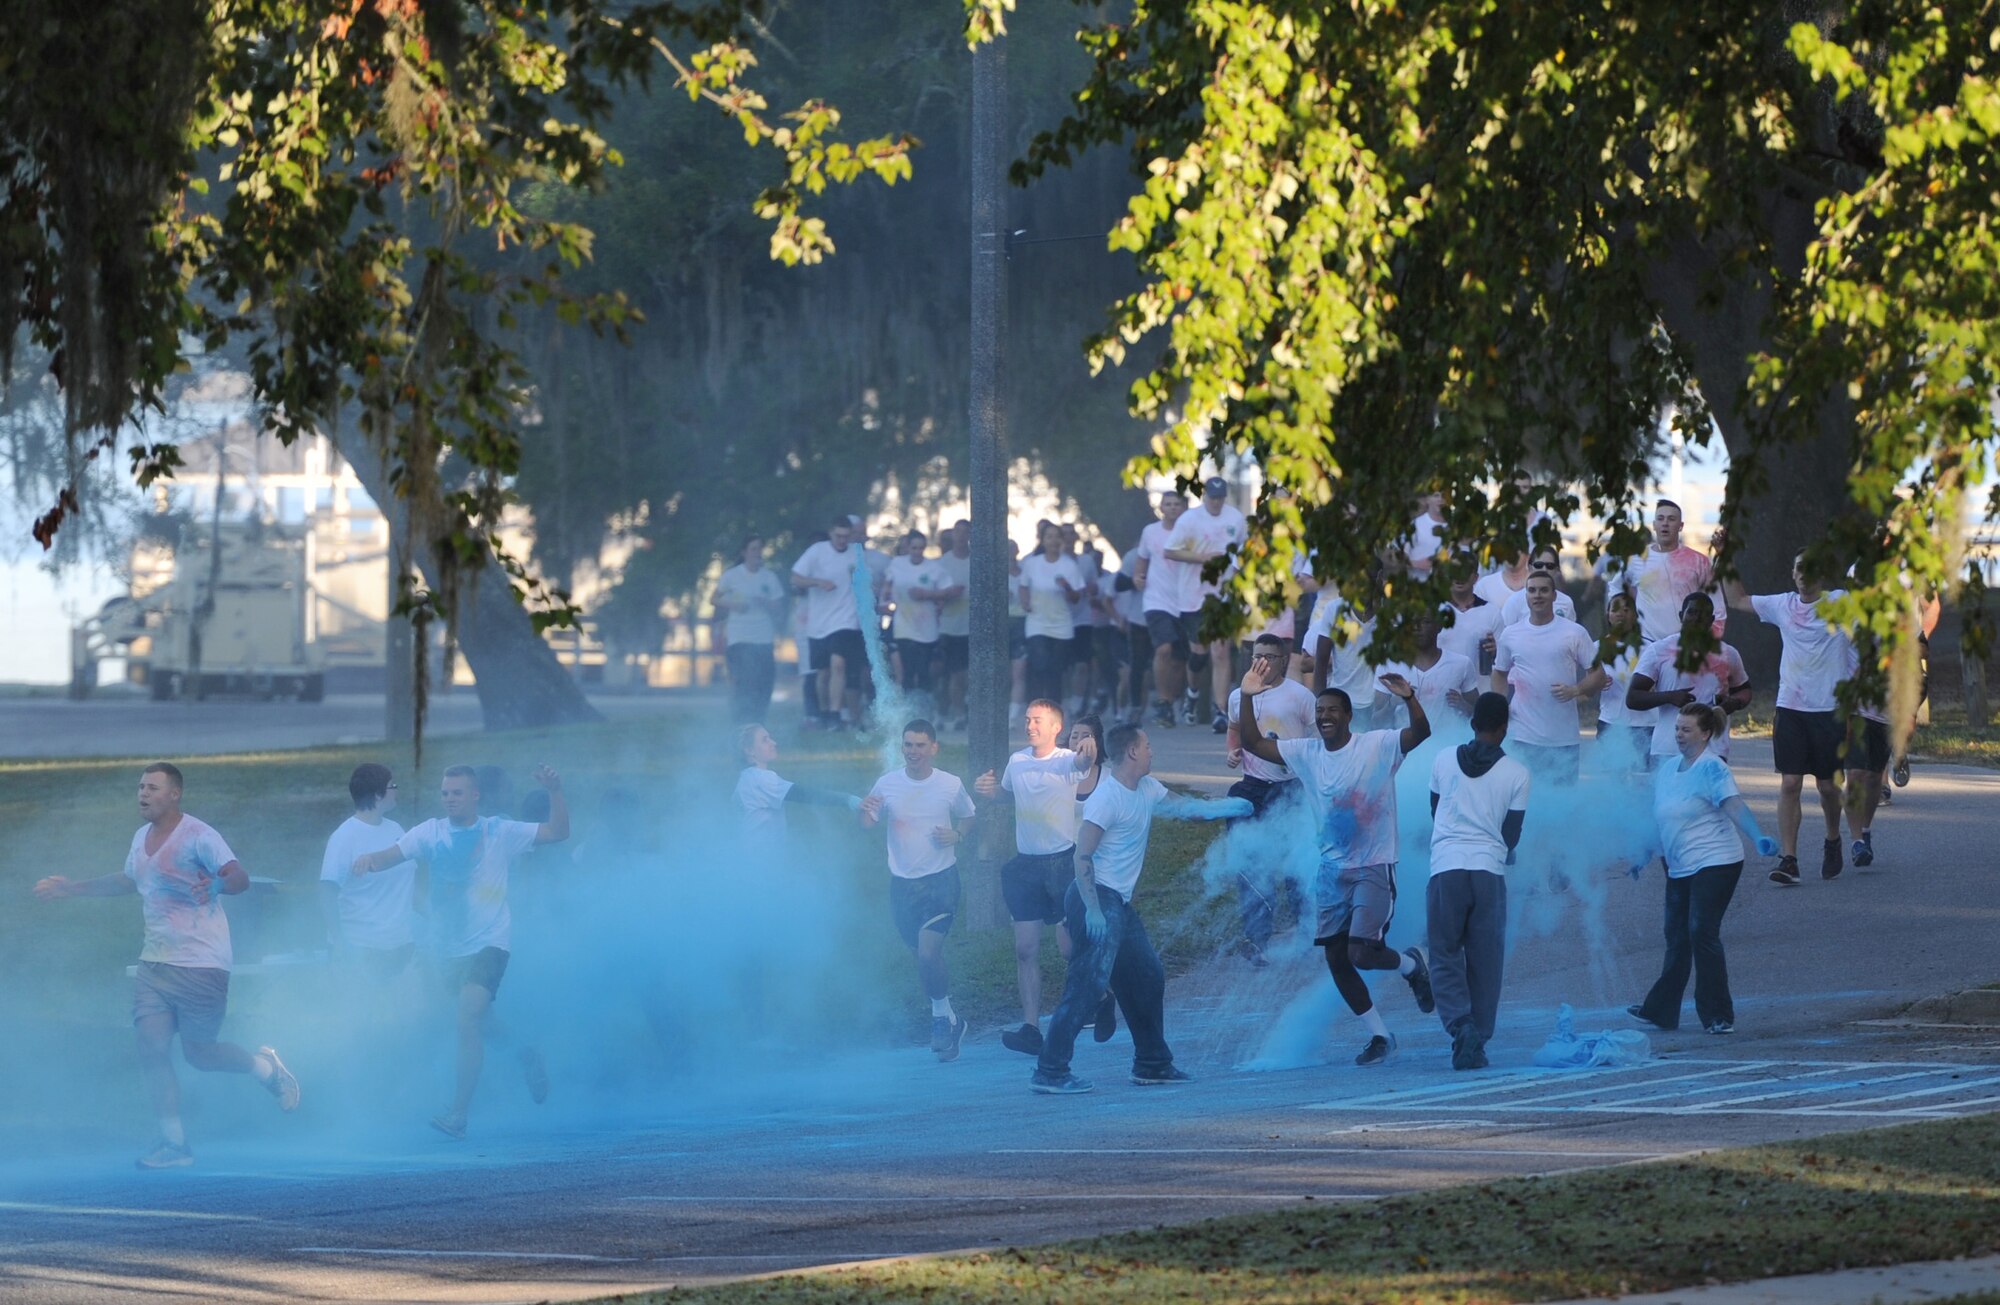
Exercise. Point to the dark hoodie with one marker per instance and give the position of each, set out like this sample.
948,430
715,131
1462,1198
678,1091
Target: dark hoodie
1478,757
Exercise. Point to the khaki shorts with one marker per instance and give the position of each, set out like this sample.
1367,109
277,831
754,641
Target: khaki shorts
1356,900
196,998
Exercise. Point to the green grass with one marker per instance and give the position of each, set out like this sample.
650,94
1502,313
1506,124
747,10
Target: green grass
1891,1196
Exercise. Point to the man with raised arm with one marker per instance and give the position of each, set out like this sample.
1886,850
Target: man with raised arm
181,869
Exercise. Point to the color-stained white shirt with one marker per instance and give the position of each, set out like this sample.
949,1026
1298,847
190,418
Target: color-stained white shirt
911,809
1687,804
1126,817
1045,806
374,908
1816,656
180,930
1353,794
1719,672
1283,711
469,866
1534,658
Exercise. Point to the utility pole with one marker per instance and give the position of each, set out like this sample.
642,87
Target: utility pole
987,675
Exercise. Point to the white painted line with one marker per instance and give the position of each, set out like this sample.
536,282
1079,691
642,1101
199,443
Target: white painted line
1416,1126
1927,1092
1649,1083
1441,1151
121,1212
835,1258
397,1252
949,1197
1811,1089
1790,1092
1523,1080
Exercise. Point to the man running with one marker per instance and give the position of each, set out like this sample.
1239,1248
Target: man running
1111,950
1351,780
368,917
1445,682
752,601
824,573
1474,622
1806,736
1343,664
929,815
1544,561
1170,589
1661,578
1041,780
955,623
180,868
1479,799
1545,666
1211,530
1283,709
1867,759
1660,688
469,858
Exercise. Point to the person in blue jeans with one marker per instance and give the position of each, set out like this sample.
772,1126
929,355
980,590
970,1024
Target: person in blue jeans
1698,811
1111,950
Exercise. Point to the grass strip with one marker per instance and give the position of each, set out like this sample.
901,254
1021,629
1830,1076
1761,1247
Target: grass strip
1928,1191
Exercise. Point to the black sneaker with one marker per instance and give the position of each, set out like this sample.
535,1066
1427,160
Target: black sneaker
1900,776
1888,795
1379,1051
1468,1049
953,1033
1066,1085
1830,863
1721,1026
1786,872
1163,714
1027,1039
1155,1077
1220,724
1107,1019
1863,850
1639,1013
1419,980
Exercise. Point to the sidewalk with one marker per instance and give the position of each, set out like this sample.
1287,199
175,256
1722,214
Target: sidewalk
1933,1281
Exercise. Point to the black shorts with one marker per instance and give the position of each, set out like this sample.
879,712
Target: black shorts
1017,638
483,969
1180,630
1033,886
957,652
1110,645
1262,794
847,645
1138,644
1807,743
1867,745
1082,646
927,903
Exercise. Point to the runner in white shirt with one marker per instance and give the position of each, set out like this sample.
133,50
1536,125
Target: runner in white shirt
1170,590
180,868
1426,541
368,918
752,600
1514,608
1350,782
469,858
1806,737
915,584
1497,586
1445,682
1283,709
1479,799
1474,622
1082,675
1624,734
1546,666
1698,812
955,621
928,814
1211,530
1049,579
1661,578
1343,664
1110,950
762,794
1041,781
824,573
1660,688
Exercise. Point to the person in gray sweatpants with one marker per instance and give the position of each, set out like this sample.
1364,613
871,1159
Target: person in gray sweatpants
1479,799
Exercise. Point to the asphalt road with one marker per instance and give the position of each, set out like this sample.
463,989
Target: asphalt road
797,1161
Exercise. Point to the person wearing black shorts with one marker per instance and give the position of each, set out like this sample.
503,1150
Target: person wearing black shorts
1866,755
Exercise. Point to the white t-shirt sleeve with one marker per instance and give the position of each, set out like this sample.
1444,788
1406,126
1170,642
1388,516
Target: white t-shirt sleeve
961,803
210,852
1770,608
1719,782
415,844
1653,661
1503,652
1517,796
330,868
1152,790
513,836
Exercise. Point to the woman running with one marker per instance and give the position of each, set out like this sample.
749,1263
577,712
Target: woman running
1699,811
761,794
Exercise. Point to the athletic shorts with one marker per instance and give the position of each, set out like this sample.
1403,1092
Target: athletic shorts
957,650
1139,645
1082,646
483,969
1356,900
1867,745
1178,630
1110,644
1556,765
196,997
1033,886
1017,638
1807,743
845,644
926,903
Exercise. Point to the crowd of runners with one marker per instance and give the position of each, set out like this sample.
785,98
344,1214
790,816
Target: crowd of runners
1319,733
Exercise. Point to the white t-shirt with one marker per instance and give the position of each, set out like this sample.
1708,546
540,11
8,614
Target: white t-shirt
374,908
763,591
1048,610
1661,582
760,804
179,930
912,808
1129,605
1493,588
1434,687
1354,795
1213,533
1170,586
1126,817
1045,805
1611,708
1515,609
1348,667
1534,658
829,611
468,872
1426,541
1283,711
1467,628
1816,656
1465,832
1719,672
1081,609
916,618
1687,804
955,614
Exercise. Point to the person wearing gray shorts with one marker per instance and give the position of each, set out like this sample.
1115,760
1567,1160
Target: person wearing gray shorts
180,868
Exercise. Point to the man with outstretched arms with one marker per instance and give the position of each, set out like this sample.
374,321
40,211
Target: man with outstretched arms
1283,709
368,916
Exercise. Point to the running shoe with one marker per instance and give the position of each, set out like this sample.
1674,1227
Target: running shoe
1155,1077
1188,706
1830,864
1379,1051
1721,1026
452,1126
1163,714
1786,872
953,1034
1220,724
1901,774
1420,981
1027,1040
1106,1023
1639,1013
1888,795
1863,850
166,1156
1468,1049
1064,1085
281,1084
536,1074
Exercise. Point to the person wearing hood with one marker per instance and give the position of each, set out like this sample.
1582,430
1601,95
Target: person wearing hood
1479,800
